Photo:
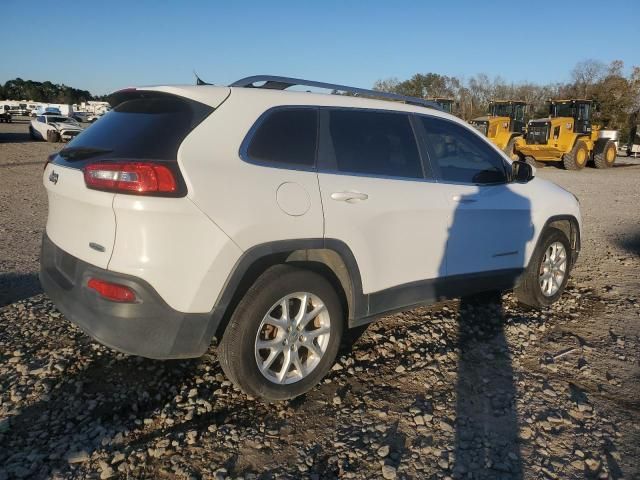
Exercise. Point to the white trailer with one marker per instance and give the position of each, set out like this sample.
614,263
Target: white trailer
11,106
94,107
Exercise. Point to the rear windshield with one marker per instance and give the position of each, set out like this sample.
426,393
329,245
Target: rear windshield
148,126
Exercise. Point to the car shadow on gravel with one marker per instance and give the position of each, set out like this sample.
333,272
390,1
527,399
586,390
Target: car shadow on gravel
630,242
15,137
486,425
95,407
18,286
487,430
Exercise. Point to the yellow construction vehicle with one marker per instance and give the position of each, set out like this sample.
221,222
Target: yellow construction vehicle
568,136
445,103
503,125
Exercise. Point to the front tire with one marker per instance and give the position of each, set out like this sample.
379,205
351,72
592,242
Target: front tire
533,162
547,274
605,155
284,335
577,158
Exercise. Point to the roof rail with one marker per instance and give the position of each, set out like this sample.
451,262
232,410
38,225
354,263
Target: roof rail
272,82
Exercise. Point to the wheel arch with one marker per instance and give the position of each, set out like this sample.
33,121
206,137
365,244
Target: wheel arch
569,225
330,258
600,144
586,139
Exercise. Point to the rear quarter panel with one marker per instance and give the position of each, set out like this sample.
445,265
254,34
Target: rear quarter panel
172,245
241,197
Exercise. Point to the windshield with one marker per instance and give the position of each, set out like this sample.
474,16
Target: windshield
445,105
60,119
501,109
563,109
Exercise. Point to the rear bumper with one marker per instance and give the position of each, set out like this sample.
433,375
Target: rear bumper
149,328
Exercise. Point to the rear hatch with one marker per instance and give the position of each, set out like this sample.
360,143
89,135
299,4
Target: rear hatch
141,134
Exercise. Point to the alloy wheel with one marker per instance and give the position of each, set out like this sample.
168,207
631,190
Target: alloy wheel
553,269
292,338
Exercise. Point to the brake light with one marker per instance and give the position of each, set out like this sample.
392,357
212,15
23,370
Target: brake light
131,177
112,291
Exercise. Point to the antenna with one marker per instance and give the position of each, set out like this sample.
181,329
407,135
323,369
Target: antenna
199,81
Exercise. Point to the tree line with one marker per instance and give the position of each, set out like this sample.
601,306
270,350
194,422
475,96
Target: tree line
617,95
47,92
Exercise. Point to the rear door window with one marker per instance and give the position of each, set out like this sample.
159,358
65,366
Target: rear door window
285,137
372,143
460,155
146,125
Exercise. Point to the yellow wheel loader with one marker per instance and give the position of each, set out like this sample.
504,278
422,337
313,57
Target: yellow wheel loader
503,125
568,136
445,103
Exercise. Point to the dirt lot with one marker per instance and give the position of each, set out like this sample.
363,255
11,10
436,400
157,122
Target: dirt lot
452,391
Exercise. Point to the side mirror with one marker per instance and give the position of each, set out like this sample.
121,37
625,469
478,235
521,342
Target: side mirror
521,172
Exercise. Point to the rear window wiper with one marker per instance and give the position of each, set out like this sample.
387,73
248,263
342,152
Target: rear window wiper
78,153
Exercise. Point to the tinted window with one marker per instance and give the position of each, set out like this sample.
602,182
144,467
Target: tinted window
460,154
150,126
286,137
583,111
373,143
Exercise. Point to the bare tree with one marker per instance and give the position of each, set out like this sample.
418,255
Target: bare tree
586,74
616,94
386,85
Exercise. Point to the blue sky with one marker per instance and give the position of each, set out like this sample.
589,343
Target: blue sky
105,45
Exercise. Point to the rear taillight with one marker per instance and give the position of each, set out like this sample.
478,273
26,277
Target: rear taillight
112,291
49,160
131,177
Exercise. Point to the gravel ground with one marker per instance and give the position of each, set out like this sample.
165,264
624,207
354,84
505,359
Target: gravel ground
450,391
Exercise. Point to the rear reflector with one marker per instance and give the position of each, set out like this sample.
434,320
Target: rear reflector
131,177
112,291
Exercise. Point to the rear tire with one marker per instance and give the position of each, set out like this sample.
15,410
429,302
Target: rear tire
577,158
32,134
529,290
605,154
260,319
53,137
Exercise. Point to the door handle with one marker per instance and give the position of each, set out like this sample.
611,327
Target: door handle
349,197
461,199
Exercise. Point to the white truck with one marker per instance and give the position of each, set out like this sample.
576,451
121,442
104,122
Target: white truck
5,114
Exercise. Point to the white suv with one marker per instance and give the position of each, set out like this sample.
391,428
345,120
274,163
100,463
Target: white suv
275,220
